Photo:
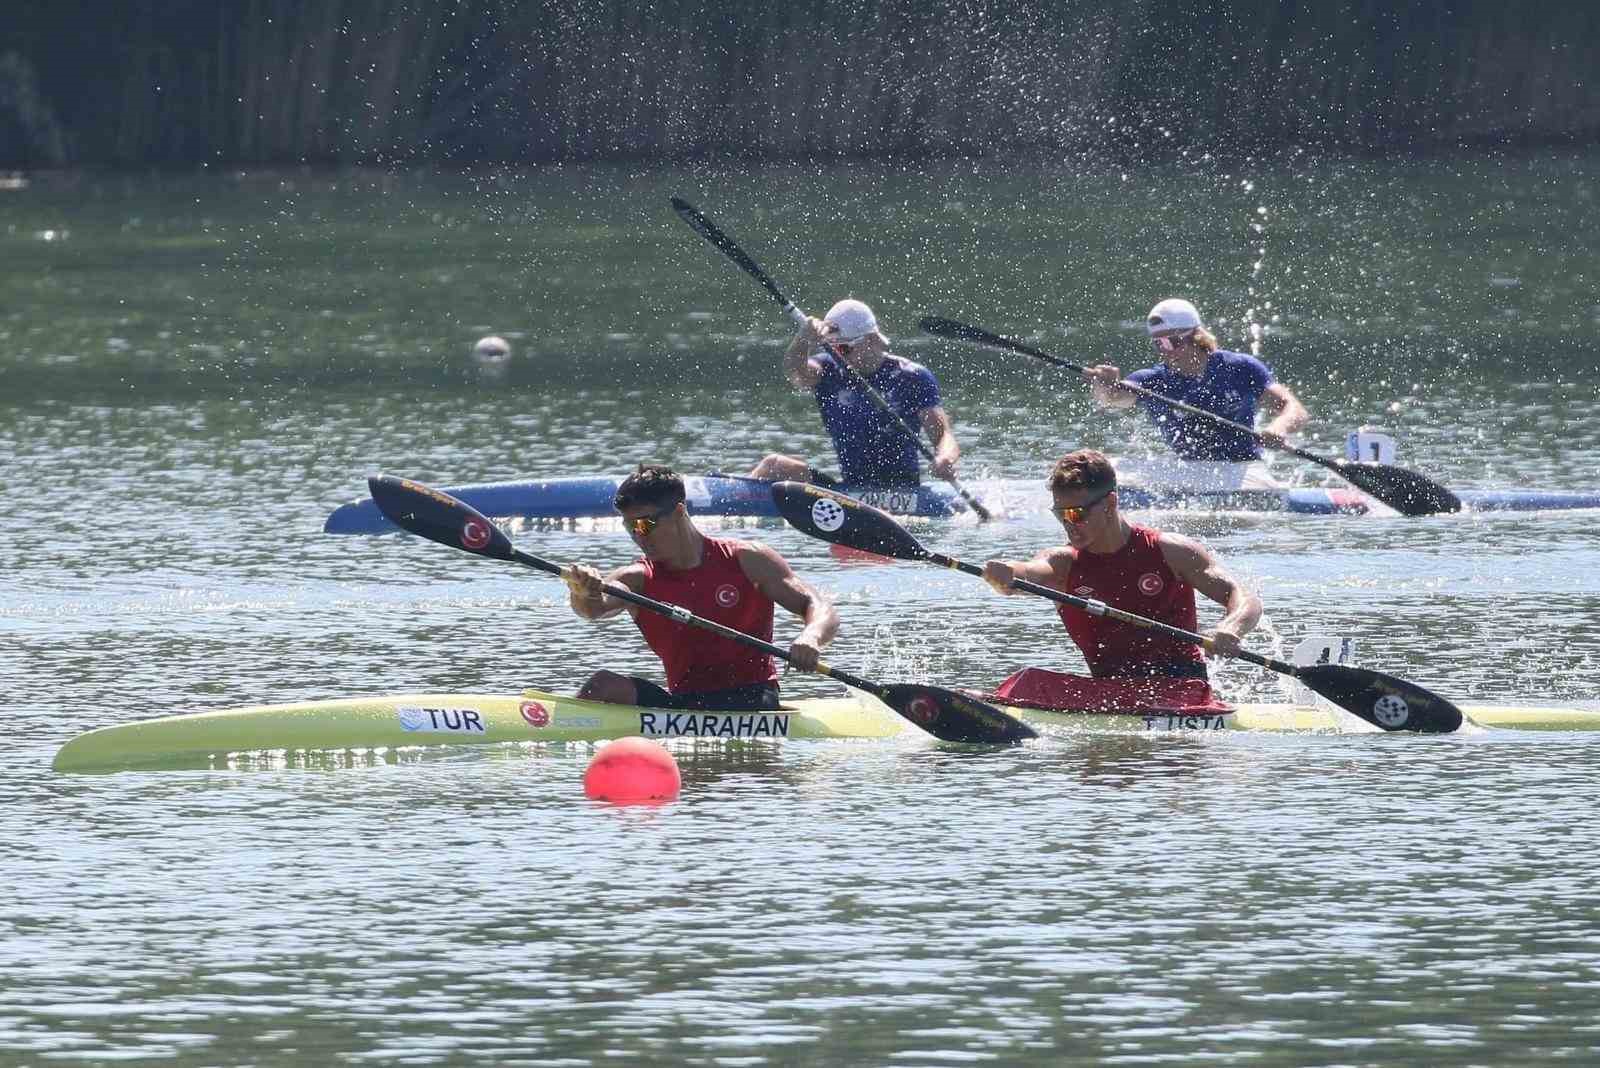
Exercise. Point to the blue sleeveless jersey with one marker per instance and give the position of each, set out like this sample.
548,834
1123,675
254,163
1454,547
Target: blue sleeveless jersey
1231,387
872,448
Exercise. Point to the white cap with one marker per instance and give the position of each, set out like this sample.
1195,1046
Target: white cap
1172,314
853,318
491,350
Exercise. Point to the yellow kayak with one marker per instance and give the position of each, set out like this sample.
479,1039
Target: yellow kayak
409,720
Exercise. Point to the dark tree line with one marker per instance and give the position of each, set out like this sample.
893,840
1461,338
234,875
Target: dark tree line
172,82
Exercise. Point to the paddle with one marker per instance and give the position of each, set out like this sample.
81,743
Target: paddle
1407,492
1382,700
945,714
708,230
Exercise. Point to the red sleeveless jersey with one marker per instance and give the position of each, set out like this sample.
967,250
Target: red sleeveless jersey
1136,579
696,660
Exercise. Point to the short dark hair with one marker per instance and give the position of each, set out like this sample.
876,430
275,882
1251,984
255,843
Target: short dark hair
655,484
1086,469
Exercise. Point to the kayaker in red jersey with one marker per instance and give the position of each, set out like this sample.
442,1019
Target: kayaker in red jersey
732,582
1134,568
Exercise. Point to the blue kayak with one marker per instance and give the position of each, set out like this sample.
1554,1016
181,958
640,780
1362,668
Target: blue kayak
732,495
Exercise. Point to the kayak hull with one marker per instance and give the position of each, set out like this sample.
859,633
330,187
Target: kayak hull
412,720
589,497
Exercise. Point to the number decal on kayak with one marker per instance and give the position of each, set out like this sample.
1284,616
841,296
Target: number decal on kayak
1173,722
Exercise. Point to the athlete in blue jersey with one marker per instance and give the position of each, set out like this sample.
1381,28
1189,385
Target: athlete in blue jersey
1196,371
872,447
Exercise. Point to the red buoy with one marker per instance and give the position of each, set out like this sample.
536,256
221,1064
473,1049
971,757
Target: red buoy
632,769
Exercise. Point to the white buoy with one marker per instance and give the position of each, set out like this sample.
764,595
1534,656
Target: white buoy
491,350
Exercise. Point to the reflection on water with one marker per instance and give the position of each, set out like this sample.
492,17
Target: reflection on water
1082,898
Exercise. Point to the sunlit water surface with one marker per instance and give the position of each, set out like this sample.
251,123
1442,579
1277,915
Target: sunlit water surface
1352,899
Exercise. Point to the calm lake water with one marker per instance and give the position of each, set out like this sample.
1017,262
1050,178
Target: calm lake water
195,371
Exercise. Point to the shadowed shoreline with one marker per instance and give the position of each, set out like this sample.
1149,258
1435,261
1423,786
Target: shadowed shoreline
291,82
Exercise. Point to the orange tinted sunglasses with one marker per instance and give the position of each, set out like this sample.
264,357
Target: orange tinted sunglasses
645,525
1077,513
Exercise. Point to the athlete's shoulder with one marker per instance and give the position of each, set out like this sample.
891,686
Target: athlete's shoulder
760,562
1147,375
743,550
906,366
1180,550
732,547
1244,360
633,575
1059,558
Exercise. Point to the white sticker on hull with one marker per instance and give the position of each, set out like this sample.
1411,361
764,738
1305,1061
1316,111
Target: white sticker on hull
696,492
1369,445
418,720
713,725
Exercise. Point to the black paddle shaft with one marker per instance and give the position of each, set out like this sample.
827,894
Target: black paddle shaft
707,229
1404,490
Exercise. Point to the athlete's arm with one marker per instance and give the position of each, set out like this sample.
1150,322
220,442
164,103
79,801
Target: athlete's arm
1285,412
772,575
586,595
946,451
1049,568
799,368
1105,391
1196,565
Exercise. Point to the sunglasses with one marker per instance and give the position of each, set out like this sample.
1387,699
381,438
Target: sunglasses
1077,513
1169,344
645,525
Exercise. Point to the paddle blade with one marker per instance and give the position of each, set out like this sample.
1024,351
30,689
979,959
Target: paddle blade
1382,700
844,521
698,222
439,517
955,717
1407,492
